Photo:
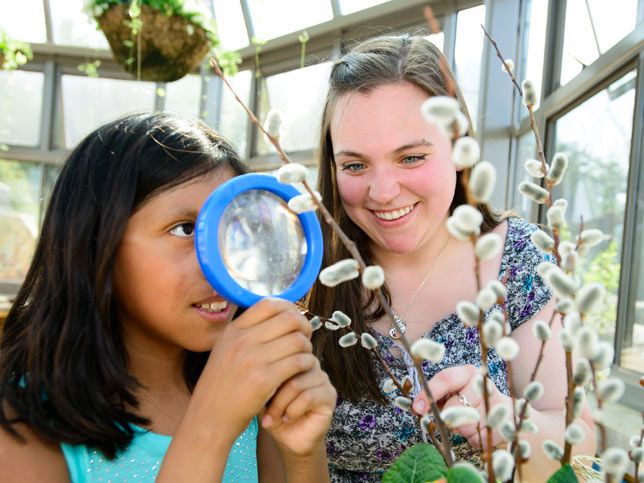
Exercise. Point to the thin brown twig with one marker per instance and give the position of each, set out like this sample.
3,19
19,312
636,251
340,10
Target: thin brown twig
507,67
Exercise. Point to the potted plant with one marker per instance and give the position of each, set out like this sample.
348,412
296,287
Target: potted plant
156,40
13,52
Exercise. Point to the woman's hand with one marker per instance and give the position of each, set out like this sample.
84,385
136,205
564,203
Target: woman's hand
454,386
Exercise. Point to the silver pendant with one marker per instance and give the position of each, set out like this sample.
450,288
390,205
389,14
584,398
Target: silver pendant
393,332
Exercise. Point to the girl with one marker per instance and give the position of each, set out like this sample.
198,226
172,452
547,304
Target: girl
118,361
390,180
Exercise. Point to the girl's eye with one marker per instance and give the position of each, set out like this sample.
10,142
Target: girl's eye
413,159
353,167
184,229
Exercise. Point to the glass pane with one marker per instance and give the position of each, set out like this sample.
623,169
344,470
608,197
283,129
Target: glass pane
73,27
526,149
350,6
21,100
19,215
233,120
633,343
467,55
437,39
51,175
230,25
535,45
183,96
299,95
593,27
596,137
22,26
279,17
88,103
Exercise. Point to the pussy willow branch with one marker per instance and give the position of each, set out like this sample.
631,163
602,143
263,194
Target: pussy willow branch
507,67
351,247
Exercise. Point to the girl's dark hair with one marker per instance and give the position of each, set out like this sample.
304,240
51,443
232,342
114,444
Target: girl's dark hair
63,363
373,63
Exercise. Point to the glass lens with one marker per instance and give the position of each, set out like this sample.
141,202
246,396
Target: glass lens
261,242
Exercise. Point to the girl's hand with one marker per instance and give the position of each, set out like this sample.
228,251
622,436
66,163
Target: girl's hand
254,354
454,386
299,414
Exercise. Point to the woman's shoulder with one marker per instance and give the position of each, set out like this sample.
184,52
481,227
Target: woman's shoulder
30,457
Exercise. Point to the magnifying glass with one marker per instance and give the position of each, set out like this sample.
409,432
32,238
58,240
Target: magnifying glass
250,245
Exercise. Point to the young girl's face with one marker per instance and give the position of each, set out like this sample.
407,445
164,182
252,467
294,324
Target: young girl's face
164,300
395,173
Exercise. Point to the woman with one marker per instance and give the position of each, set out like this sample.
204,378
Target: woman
390,182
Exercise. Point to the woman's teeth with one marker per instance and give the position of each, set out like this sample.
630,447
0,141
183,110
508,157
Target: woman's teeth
213,307
393,215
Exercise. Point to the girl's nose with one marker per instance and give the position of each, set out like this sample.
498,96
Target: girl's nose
384,186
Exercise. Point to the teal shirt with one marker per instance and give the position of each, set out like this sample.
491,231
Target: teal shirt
142,459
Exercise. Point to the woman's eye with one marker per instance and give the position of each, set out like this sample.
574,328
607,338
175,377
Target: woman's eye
353,167
184,229
413,159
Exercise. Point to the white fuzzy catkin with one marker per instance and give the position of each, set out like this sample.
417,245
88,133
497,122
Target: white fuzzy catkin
534,192
552,450
529,427
492,332
389,386
533,168
574,434
542,241
466,152
586,342
488,246
533,391
331,326
368,341
304,202
610,390
637,455
292,173
440,110
497,287
425,421
529,93
456,231
519,404
590,297
477,384
508,65
373,277
482,181
565,305
541,330
462,123
561,203
582,374
497,415
315,323
428,349
403,403
614,461
572,323
455,416
569,261
556,217
273,123
543,268
604,357
557,168
342,319
507,430
524,448
503,464
560,283
468,217
507,348
348,340
578,401
339,272
468,313
486,298
566,340
591,236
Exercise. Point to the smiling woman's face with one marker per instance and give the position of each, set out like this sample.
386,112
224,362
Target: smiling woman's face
395,173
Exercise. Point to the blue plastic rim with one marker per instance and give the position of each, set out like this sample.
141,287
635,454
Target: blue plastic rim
207,240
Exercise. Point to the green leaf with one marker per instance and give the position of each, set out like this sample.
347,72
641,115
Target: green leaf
565,474
419,464
462,474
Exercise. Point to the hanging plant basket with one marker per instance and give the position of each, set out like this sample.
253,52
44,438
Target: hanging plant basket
170,45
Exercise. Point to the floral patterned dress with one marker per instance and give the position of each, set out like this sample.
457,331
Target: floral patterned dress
365,437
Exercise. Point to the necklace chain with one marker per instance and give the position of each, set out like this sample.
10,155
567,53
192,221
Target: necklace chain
393,332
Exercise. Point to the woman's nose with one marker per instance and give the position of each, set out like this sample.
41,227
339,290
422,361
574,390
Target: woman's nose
384,186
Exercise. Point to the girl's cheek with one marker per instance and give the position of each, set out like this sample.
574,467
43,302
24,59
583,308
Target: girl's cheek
350,188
